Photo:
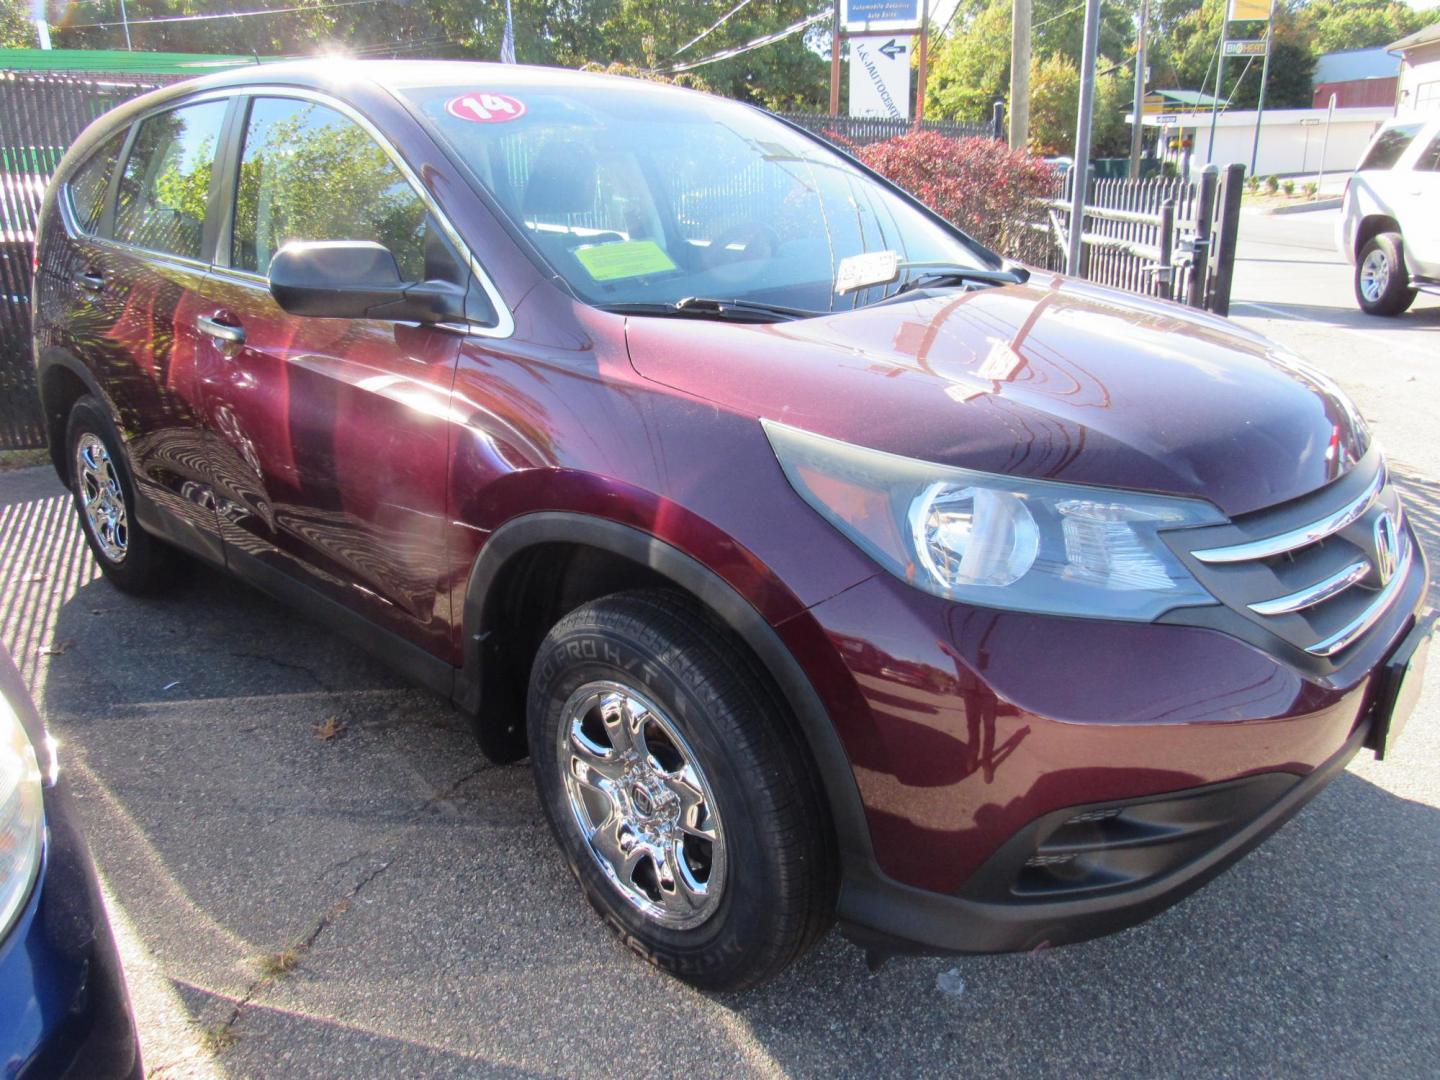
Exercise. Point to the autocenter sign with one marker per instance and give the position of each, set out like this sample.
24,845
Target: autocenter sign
875,16
880,75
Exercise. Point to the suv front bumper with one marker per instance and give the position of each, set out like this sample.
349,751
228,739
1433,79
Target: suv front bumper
1031,780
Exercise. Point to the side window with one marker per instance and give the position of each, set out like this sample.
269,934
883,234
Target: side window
166,183
309,173
1389,147
90,182
1429,160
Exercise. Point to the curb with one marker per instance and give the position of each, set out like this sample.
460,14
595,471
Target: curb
1304,208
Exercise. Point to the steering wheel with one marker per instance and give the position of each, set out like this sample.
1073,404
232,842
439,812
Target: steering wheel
757,242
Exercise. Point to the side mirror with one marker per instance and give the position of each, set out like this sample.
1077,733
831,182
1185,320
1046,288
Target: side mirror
357,279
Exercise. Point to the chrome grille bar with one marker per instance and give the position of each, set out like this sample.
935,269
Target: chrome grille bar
1371,615
1314,594
1298,538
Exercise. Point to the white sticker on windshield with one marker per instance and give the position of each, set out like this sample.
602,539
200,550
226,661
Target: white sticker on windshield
870,268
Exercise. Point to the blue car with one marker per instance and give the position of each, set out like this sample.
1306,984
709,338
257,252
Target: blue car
63,1007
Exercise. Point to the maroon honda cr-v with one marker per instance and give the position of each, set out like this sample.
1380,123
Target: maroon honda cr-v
824,564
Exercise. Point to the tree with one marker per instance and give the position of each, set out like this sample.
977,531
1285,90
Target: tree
970,66
643,34
1055,106
1359,24
1187,49
16,29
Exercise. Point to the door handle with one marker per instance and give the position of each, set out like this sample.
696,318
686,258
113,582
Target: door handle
91,282
232,335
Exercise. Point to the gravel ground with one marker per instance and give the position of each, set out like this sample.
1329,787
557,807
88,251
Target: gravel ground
313,872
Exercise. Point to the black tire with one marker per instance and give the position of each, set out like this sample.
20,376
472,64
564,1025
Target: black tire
777,890
145,565
1383,254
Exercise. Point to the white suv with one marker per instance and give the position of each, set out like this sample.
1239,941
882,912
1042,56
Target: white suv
1390,221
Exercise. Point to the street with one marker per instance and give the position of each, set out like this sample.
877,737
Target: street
312,871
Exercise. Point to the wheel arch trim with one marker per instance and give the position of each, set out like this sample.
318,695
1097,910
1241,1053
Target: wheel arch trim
520,534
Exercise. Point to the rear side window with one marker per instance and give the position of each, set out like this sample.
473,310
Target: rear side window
1429,160
1389,147
91,181
166,183
307,172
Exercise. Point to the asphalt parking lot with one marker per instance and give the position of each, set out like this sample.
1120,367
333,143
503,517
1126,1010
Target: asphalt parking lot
314,873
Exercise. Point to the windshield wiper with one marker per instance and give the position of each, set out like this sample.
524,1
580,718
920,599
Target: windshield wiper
705,307
939,274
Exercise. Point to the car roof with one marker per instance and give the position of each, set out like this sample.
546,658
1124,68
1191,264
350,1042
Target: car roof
338,72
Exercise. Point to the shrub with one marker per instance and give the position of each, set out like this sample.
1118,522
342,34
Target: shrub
1288,187
1311,188
1252,183
979,184
1272,183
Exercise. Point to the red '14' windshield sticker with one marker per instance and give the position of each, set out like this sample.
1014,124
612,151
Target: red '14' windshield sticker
485,108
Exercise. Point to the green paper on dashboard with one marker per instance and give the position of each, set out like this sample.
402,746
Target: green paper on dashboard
624,259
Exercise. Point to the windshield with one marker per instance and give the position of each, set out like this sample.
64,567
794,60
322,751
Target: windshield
635,196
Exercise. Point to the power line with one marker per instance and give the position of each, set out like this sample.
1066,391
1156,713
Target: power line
768,39
712,28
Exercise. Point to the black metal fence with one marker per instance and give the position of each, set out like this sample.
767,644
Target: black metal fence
863,130
41,113
1159,236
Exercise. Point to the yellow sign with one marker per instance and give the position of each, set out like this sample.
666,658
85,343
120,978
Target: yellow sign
1249,10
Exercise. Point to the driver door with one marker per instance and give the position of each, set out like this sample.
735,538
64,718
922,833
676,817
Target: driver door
331,435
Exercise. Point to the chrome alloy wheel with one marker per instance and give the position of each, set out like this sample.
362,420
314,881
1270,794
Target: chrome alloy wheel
640,799
1374,276
101,497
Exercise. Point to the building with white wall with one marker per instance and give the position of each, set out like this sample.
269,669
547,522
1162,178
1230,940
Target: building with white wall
1291,140
1419,89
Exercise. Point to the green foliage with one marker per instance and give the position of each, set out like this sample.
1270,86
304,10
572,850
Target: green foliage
1311,189
1288,187
316,179
16,29
1360,24
1272,183
639,34
970,67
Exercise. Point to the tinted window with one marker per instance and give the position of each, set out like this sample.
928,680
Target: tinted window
166,183
1429,160
309,173
90,182
1389,147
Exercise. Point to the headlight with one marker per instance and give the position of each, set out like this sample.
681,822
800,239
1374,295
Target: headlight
999,541
22,815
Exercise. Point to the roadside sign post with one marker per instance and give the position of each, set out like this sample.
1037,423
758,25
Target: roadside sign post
879,35
1136,130
1080,171
1325,144
1264,78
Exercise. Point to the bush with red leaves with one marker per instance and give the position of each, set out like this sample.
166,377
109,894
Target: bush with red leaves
981,185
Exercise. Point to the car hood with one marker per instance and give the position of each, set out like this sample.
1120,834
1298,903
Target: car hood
1053,379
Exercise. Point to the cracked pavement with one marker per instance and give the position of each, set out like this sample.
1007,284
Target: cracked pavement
438,933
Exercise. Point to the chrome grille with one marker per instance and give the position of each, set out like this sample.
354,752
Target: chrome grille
1319,573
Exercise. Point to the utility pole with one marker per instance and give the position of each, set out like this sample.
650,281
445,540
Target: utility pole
1019,74
1081,169
1136,131
41,19
125,22
924,61
1264,78
835,62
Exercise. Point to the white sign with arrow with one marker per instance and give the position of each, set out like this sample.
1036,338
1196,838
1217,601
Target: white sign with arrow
880,76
